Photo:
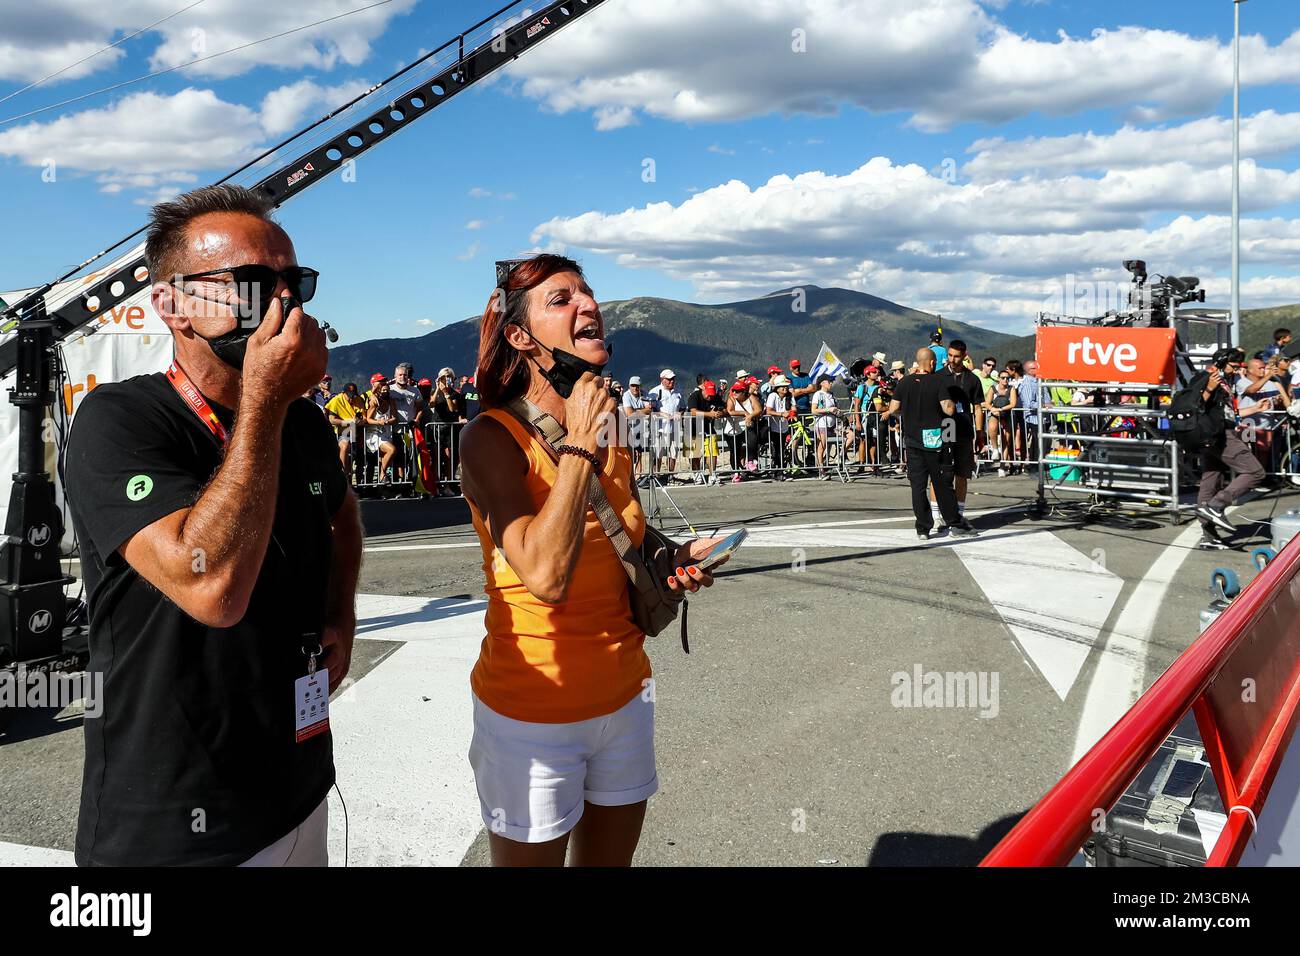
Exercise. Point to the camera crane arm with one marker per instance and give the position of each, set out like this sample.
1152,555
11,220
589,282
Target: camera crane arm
33,607
308,168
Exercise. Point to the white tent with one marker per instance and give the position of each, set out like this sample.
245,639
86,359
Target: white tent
127,340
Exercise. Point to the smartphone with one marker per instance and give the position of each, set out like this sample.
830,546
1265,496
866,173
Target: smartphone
722,550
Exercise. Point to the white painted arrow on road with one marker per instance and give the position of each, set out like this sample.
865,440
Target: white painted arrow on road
1053,599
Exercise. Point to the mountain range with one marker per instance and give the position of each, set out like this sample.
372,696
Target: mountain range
649,334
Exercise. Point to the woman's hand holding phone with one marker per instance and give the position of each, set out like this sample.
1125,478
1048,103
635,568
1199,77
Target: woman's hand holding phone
689,577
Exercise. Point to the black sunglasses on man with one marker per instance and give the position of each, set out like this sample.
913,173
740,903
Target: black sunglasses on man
255,285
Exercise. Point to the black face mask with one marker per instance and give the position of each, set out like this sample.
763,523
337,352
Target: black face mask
568,368
231,346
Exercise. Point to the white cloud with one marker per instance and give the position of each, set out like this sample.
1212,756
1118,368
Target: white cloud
983,251
39,38
159,143
474,224
142,139
946,61
285,108
1205,142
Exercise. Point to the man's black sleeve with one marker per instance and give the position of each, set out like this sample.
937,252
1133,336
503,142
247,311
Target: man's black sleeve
320,439
123,469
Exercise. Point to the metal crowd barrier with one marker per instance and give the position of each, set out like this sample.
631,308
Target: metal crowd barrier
425,459
699,450
691,448
1111,448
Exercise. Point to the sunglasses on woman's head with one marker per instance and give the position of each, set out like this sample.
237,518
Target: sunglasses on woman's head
505,267
254,285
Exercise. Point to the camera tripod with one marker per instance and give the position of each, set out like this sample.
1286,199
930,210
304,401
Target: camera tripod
656,488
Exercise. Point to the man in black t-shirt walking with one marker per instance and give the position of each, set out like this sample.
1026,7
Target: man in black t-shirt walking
967,394
220,546
929,433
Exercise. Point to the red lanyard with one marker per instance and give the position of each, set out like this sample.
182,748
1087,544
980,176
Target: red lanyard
195,400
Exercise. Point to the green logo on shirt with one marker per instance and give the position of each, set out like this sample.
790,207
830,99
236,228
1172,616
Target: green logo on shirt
139,487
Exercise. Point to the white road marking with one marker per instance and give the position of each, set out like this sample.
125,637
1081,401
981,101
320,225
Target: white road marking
15,854
1120,675
1014,567
473,543
440,546
401,737
1016,577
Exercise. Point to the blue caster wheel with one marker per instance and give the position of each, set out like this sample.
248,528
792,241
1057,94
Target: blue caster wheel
1224,584
1262,556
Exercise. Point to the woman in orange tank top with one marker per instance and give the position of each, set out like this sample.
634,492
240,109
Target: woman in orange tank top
563,702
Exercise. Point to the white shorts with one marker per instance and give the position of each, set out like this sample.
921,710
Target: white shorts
305,845
533,778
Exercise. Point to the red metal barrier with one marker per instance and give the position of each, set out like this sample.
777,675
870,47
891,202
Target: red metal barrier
1257,638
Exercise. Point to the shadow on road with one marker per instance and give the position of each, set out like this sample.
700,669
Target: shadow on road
32,723
936,849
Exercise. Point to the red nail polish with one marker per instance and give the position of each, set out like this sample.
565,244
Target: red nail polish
681,570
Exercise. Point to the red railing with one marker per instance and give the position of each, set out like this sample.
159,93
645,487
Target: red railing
1256,640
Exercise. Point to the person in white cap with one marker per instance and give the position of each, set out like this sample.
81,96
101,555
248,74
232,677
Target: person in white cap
668,404
637,407
780,409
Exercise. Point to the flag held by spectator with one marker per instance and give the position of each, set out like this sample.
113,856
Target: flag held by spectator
828,363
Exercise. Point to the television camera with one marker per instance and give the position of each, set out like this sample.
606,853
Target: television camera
1151,300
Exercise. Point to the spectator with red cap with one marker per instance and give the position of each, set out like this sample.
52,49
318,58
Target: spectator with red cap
747,405
705,407
381,412
801,387
733,429
773,373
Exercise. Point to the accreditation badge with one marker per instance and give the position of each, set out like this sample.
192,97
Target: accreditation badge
311,703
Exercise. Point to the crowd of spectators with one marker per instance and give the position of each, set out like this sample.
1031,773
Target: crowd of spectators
399,435
401,432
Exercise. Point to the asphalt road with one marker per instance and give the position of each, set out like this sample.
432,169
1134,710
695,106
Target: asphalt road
780,738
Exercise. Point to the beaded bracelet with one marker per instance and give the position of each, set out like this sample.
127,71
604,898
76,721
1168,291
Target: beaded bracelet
580,452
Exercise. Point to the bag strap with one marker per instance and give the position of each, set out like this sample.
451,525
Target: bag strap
642,578
553,433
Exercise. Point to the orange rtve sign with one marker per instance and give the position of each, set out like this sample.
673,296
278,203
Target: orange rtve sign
1097,354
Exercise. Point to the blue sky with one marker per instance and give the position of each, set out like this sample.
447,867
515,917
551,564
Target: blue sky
551,156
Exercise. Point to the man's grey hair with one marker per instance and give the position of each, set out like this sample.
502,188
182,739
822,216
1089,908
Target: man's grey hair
169,222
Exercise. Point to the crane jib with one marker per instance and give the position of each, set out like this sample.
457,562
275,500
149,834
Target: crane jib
307,169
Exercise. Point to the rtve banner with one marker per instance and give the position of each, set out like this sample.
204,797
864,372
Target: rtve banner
1089,353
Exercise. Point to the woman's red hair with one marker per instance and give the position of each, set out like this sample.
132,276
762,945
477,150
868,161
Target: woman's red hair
501,373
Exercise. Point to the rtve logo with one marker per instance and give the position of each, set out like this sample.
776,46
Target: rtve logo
71,389
1121,356
132,316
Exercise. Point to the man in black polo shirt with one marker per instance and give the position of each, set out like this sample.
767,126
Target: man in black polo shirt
928,435
220,547
967,394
